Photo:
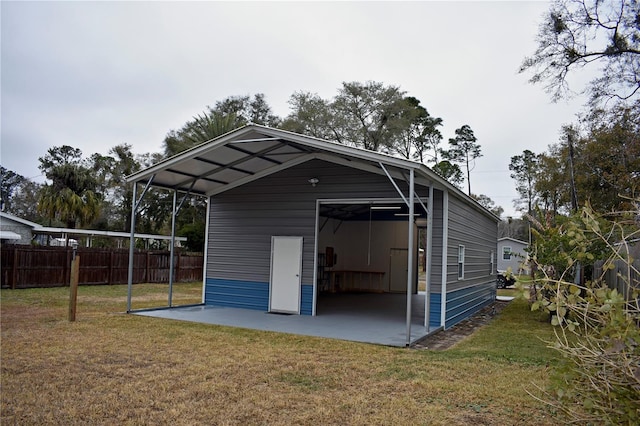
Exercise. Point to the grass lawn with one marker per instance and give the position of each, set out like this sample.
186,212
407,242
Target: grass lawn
112,368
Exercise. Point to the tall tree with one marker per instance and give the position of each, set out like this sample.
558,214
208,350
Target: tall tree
366,115
310,115
552,180
578,34
410,127
246,109
451,172
488,204
225,116
202,128
464,149
24,202
70,196
608,168
570,134
418,134
604,157
10,181
428,146
111,171
524,170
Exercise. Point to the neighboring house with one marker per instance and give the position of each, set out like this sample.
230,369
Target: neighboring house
293,219
15,230
512,254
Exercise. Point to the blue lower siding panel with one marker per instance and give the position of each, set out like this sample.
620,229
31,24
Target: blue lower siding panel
306,300
463,303
435,308
249,295
237,294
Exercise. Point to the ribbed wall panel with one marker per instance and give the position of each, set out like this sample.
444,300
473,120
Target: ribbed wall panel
435,303
237,294
478,234
463,303
306,302
436,250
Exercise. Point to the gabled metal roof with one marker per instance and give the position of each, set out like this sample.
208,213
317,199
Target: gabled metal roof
513,239
254,151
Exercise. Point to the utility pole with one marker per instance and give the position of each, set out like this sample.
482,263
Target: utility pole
574,194
574,198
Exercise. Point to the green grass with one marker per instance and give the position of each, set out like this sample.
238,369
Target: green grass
517,336
113,368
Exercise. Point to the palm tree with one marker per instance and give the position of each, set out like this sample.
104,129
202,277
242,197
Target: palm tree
68,206
202,128
70,197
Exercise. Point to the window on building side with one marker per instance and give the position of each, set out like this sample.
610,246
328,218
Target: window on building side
506,253
492,265
460,262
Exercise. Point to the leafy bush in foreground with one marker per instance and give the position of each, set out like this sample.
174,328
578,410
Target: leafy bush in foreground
597,325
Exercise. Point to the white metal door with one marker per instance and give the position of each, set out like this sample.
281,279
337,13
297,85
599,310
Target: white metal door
286,271
398,270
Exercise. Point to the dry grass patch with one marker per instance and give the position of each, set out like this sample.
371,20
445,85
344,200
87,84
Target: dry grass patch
114,368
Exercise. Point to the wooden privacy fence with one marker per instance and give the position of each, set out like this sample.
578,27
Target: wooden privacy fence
33,267
620,277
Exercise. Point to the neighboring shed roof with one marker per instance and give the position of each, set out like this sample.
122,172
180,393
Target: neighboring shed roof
47,230
514,240
255,151
25,222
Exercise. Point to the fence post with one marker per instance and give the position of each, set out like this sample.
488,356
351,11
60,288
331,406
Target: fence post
14,272
177,276
146,267
67,263
73,286
110,275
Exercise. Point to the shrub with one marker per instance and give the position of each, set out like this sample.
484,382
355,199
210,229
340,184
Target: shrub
597,326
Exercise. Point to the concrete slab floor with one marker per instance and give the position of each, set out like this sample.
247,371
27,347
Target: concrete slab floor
358,317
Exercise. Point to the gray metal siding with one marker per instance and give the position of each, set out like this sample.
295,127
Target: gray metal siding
243,219
436,251
477,233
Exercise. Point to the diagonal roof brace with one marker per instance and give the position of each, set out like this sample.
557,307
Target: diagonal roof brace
186,194
232,165
196,177
259,154
226,166
144,191
415,194
394,184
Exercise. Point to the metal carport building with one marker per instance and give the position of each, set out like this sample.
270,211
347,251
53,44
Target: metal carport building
292,219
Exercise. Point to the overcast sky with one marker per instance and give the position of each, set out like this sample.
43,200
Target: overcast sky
96,74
